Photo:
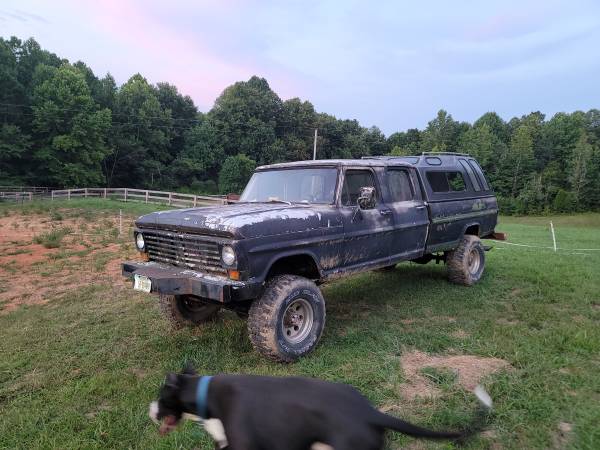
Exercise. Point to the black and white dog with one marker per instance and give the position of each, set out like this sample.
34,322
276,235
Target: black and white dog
246,412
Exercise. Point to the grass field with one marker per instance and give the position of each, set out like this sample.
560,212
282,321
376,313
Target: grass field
79,367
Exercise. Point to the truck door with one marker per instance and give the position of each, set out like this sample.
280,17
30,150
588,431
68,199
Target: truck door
367,232
411,218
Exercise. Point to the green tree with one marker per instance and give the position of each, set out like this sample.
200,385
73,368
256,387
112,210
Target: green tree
442,133
519,161
70,130
14,146
579,167
235,173
200,158
563,202
245,117
141,137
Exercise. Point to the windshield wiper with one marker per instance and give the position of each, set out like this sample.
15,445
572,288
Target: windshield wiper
269,201
278,201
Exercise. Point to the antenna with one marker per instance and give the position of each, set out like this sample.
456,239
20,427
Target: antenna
315,146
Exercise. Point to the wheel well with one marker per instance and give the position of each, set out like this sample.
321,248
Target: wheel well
303,265
473,229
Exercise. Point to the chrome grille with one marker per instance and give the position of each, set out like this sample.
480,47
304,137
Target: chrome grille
183,250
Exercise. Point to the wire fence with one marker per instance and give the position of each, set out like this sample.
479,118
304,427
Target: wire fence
123,194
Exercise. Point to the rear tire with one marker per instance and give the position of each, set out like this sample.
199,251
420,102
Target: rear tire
184,310
466,262
287,321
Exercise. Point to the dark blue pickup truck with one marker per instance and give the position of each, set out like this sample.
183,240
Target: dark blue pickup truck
300,224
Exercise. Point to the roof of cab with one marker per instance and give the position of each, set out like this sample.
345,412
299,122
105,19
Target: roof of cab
426,159
375,162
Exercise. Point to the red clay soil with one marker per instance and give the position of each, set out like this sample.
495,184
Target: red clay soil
32,274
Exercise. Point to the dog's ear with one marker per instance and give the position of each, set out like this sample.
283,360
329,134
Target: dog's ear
172,380
189,369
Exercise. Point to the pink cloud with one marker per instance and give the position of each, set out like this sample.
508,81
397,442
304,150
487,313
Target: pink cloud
176,56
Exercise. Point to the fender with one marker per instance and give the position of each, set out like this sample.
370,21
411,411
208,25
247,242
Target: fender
282,255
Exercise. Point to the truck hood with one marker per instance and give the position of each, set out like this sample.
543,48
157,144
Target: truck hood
242,220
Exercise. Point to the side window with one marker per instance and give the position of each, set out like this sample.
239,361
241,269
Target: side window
456,181
446,181
400,186
471,174
353,181
479,172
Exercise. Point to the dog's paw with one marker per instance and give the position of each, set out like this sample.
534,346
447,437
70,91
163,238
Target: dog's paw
214,427
153,412
483,397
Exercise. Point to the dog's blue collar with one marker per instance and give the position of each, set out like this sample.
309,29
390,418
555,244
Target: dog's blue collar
202,396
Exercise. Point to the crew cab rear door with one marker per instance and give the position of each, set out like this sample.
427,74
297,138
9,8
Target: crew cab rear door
411,218
367,232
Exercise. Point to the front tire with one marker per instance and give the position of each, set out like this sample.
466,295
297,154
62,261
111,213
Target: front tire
288,320
466,262
185,310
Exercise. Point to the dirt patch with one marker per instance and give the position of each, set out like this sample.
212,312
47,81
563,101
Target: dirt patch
31,274
139,373
469,370
508,322
444,319
562,437
460,334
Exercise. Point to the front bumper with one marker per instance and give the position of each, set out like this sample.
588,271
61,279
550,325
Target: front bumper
171,280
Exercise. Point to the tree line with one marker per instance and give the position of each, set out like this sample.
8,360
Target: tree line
63,126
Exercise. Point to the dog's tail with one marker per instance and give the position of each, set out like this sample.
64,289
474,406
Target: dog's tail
393,423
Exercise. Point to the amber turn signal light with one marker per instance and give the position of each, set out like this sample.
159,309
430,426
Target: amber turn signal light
234,274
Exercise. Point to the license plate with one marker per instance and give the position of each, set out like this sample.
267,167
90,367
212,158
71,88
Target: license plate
142,283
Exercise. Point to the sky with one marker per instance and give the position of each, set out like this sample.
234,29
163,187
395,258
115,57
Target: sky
392,64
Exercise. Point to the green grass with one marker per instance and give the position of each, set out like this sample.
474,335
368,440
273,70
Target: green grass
88,208
52,238
80,371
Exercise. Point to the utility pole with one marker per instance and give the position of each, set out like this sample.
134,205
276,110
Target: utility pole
315,146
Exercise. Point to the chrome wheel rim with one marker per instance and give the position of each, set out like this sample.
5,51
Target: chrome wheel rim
298,320
474,261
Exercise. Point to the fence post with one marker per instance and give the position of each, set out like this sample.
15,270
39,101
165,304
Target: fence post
170,198
104,192
30,196
52,195
68,194
146,196
125,194
195,200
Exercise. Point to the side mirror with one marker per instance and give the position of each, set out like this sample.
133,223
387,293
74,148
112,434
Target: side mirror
366,200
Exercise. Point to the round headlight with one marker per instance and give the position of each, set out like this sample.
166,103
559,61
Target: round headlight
139,241
228,255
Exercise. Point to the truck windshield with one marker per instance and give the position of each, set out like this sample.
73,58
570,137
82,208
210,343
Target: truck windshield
292,185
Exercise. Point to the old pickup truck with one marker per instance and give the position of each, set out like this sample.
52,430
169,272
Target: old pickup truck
300,224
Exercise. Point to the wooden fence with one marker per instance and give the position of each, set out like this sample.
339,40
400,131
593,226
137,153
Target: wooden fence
124,194
16,196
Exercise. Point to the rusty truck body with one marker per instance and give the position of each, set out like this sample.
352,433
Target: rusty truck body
300,224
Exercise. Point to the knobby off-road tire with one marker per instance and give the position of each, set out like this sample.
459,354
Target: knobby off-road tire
288,320
466,262
182,310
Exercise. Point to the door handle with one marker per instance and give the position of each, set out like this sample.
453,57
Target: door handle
385,212
421,207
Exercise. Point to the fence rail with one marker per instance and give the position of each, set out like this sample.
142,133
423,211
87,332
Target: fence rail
124,194
33,189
